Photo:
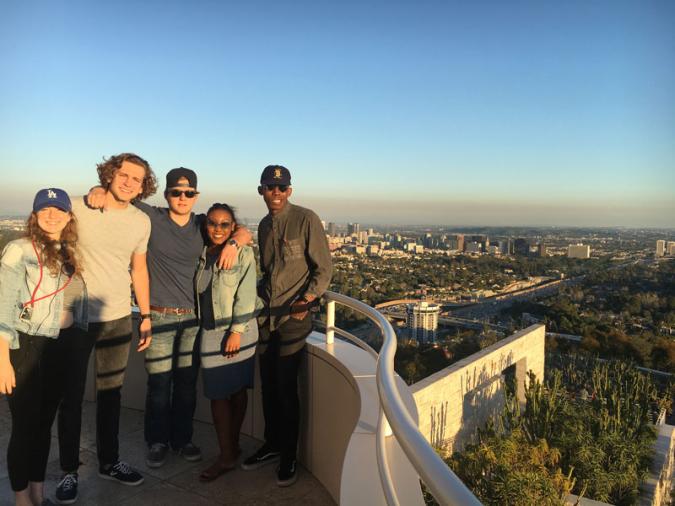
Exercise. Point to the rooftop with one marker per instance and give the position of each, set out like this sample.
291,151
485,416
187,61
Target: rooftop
175,483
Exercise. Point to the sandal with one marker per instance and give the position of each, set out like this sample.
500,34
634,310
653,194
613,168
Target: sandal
214,471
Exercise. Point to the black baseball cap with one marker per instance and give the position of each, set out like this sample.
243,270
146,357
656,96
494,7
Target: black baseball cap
275,174
175,175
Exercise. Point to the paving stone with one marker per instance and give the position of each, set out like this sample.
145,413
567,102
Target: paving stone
177,482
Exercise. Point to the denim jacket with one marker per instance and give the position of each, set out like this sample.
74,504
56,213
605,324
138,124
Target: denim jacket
233,292
19,273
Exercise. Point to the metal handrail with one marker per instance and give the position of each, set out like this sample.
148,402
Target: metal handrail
445,486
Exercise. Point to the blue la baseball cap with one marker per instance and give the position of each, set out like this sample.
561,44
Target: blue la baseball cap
52,197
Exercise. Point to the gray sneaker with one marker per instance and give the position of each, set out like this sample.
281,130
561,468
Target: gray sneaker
190,452
156,455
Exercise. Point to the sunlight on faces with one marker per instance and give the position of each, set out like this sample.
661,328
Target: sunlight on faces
219,226
274,198
127,182
52,221
182,204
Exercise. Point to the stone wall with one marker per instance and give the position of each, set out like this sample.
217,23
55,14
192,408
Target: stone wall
455,401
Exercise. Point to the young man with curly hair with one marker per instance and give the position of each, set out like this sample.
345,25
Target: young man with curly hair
113,246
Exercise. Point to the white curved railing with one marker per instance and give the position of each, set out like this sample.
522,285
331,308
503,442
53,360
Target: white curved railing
445,486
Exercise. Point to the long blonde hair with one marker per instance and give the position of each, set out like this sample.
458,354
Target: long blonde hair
56,254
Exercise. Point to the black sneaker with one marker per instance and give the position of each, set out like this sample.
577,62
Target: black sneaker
66,490
265,455
190,452
287,473
123,473
156,455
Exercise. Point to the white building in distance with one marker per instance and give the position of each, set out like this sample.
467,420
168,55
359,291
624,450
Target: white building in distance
660,248
422,321
578,251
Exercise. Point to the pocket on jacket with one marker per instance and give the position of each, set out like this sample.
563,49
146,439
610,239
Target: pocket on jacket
229,277
293,249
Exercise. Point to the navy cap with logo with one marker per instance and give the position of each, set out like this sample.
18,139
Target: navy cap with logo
275,174
52,197
175,175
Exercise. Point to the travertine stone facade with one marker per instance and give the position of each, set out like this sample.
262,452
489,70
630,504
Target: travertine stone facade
456,400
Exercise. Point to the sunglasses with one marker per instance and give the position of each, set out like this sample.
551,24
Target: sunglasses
190,194
271,187
213,224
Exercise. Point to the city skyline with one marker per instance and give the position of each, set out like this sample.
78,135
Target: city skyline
437,113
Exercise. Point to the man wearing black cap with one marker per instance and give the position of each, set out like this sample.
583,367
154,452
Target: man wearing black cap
172,361
296,266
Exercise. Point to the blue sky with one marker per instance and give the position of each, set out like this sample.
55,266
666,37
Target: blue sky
488,112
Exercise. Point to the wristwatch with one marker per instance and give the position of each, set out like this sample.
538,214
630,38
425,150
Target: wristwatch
146,316
234,243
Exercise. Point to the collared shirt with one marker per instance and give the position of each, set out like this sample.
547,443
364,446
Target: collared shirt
295,261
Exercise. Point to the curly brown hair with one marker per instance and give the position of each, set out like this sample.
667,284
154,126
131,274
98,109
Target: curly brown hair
107,169
56,254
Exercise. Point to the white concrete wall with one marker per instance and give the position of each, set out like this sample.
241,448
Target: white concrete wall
656,490
455,401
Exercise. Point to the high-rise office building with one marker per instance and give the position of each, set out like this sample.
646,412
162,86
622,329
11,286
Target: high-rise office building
451,244
481,239
422,321
505,246
660,248
454,242
578,251
353,229
332,229
473,247
670,248
541,250
521,247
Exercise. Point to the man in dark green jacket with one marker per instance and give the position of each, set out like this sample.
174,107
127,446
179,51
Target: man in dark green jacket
296,266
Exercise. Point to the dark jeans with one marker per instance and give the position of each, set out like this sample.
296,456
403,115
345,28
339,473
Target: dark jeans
70,352
112,340
172,363
279,381
42,370
28,447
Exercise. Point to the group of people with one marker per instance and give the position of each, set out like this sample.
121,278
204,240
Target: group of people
64,291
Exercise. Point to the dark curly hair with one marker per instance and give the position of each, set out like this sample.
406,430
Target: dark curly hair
107,169
56,254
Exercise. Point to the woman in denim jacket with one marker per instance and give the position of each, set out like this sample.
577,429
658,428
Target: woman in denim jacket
42,298
226,305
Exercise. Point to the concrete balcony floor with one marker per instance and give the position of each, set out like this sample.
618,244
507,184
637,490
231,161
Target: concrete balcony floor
174,483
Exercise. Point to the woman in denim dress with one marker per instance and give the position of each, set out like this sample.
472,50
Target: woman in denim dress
227,303
42,298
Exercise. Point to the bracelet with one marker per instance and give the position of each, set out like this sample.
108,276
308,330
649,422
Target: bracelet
146,316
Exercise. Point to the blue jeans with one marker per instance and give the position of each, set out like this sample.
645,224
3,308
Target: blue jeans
172,363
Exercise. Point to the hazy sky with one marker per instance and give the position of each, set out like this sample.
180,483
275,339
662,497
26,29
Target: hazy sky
486,112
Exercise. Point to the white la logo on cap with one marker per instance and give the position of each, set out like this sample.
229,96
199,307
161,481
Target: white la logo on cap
51,194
